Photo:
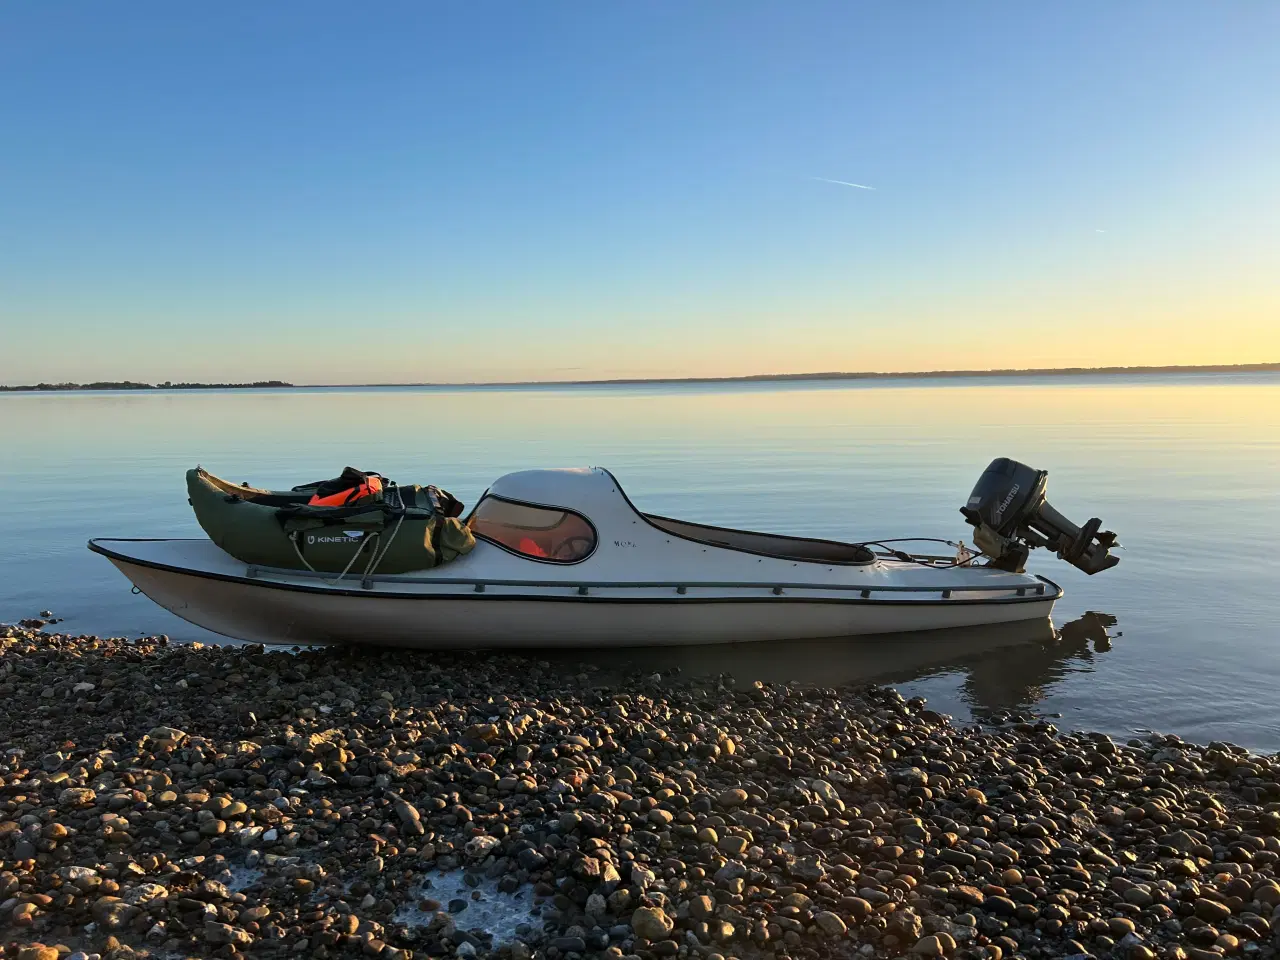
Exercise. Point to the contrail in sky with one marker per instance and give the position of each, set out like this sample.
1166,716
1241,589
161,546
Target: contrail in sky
844,183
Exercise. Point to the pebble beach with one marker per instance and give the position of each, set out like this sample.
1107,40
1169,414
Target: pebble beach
169,801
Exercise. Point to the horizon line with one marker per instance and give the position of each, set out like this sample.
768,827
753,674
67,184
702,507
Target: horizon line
1265,367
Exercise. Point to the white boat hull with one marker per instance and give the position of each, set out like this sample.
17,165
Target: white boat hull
277,608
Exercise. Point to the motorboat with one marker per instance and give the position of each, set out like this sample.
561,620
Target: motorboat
564,558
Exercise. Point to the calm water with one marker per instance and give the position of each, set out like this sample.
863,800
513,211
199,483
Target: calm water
1184,468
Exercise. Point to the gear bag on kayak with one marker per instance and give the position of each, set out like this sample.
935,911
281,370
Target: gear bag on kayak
358,522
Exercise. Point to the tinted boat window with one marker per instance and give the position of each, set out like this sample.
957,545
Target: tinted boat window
543,533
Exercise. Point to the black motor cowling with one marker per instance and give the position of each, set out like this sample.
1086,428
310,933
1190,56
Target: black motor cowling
1011,516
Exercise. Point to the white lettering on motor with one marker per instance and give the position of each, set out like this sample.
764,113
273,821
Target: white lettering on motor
1004,505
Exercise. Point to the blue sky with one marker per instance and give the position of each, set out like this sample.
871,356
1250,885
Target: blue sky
424,192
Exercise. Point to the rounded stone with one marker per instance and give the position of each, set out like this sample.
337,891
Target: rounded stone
651,923
930,946
734,797
1211,911
831,924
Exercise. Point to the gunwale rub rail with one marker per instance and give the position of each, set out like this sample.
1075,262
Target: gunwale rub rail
681,587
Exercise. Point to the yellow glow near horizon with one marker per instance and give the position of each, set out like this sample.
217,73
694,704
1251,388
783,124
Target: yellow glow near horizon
981,333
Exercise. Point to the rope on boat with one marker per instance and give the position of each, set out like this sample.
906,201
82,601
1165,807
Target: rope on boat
375,558
908,558
368,538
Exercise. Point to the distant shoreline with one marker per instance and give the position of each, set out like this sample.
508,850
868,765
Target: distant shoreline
127,385
123,385
864,375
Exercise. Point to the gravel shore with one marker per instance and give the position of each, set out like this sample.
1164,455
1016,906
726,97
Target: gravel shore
172,801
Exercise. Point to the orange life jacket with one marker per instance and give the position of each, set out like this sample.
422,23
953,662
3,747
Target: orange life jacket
370,486
531,547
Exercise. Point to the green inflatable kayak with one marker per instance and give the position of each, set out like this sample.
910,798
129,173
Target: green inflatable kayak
358,522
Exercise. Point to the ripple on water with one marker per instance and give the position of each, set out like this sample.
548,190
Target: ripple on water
496,913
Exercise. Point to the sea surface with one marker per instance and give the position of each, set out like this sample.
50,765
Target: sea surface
1181,638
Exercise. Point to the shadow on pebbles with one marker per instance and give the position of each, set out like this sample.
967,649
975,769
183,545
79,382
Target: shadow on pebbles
174,801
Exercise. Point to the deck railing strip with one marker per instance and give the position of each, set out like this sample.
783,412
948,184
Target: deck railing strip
681,587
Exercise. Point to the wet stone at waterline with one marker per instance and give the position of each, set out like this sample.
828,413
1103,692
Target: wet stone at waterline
171,801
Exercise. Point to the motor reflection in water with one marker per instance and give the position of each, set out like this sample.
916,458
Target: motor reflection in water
1019,677
1004,668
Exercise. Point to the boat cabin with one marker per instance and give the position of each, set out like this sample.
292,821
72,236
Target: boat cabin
561,516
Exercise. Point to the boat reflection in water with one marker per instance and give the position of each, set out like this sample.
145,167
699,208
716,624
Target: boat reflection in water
1005,667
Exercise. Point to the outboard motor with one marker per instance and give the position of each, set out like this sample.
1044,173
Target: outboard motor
1012,516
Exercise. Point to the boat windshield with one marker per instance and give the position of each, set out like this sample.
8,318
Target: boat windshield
540,533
